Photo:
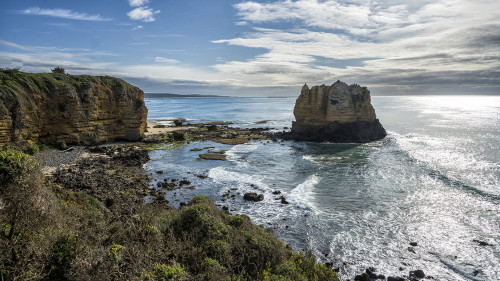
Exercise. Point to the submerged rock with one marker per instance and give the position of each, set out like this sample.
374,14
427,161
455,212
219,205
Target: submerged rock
336,113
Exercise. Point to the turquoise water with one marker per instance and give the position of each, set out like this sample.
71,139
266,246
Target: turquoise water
434,180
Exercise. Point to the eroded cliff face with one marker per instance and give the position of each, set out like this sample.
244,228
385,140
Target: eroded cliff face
336,113
48,107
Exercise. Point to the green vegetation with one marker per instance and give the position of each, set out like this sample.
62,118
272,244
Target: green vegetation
59,70
30,86
50,233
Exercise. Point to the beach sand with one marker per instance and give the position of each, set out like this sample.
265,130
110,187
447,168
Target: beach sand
157,131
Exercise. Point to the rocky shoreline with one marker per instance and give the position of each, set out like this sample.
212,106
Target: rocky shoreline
114,175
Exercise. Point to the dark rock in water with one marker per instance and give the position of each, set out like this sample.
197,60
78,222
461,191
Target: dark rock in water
414,244
417,273
252,196
276,192
178,122
159,172
178,136
362,277
482,243
336,113
184,182
411,249
225,208
390,278
283,200
371,272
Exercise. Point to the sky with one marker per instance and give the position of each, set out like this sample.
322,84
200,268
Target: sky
261,48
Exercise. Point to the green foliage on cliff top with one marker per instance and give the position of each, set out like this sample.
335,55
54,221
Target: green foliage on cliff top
25,85
75,237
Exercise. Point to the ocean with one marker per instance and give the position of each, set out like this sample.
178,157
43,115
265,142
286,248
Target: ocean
434,180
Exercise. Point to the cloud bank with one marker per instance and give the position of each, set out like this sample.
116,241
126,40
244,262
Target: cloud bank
392,44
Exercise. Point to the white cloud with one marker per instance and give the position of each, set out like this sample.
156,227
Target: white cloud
138,27
136,3
374,40
165,60
63,13
144,14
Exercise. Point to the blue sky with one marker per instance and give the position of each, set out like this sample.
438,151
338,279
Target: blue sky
261,48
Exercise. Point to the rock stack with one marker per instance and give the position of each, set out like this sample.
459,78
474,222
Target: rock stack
336,113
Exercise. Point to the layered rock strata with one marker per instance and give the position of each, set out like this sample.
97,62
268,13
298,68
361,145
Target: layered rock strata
50,107
336,113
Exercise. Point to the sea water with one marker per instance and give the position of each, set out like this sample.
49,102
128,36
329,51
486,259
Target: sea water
434,180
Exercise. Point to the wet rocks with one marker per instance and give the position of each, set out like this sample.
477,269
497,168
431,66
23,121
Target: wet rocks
482,243
252,196
417,273
178,136
178,122
213,156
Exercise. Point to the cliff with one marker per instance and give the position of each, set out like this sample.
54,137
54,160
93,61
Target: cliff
336,113
49,107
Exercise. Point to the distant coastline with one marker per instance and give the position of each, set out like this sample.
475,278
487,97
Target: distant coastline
168,95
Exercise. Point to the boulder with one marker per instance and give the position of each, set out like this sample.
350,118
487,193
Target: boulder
252,196
336,113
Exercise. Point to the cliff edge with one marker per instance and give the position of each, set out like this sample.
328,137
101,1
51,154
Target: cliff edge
336,113
77,109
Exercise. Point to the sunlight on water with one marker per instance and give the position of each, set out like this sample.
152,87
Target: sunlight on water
434,180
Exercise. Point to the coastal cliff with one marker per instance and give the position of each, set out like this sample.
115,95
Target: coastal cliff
336,113
76,109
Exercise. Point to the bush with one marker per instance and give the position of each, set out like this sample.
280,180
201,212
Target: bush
115,252
60,144
59,70
62,254
13,164
32,149
164,272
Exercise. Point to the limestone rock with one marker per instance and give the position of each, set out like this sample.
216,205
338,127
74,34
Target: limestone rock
77,109
336,113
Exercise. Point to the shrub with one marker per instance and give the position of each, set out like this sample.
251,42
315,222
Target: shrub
13,164
62,254
32,149
164,272
60,144
59,70
115,252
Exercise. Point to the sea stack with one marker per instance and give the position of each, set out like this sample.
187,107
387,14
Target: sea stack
336,113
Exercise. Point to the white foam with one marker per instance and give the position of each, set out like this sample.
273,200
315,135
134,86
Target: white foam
235,179
303,194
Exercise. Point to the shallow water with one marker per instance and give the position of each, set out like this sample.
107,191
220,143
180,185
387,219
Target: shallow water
434,180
